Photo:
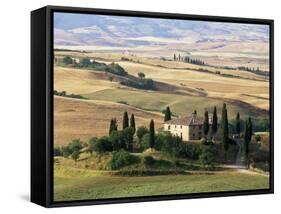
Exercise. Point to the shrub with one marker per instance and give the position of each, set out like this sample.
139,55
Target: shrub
117,139
128,134
167,143
189,151
116,69
75,145
122,102
91,145
125,59
141,131
85,61
103,145
148,160
145,141
67,60
75,155
66,151
121,159
207,157
58,151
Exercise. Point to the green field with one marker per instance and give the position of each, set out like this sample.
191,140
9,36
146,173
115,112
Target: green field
77,184
157,101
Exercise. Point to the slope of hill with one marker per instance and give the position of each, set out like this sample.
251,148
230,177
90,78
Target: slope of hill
180,104
75,118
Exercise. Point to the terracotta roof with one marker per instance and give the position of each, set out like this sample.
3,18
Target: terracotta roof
188,120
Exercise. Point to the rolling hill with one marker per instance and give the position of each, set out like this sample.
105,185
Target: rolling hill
83,119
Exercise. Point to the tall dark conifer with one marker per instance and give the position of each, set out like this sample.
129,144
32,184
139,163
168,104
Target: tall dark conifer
168,114
113,125
215,121
206,124
151,134
247,138
224,128
133,123
238,124
125,120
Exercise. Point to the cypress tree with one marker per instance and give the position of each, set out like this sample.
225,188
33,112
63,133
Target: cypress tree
125,120
247,138
168,114
110,127
238,124
175,57
224,128
133,123
113,125
250,128
206,124
215,121
151,134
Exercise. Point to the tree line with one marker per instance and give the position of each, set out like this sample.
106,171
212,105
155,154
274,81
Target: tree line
64,94
88,63
188,59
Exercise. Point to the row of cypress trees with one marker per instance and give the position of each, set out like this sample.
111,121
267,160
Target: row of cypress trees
125,122
113,123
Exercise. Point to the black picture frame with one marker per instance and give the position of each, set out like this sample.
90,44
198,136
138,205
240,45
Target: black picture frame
42,104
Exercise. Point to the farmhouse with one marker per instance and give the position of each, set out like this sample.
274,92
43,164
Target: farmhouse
188,128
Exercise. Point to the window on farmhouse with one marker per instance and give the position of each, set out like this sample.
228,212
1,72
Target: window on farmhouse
169,127
181,127
200,127
175,126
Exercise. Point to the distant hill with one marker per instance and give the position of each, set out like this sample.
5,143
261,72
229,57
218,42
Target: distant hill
81,29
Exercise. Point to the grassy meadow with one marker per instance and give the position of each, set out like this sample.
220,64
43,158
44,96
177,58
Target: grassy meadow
102,186
77,184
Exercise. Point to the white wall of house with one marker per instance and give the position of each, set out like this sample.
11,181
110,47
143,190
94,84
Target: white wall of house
187,133
179,130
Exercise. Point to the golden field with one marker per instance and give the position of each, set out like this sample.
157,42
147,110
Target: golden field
247,93
83,119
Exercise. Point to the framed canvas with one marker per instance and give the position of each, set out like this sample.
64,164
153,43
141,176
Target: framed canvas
133,106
